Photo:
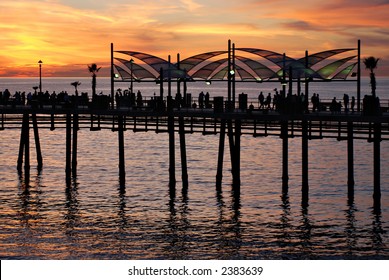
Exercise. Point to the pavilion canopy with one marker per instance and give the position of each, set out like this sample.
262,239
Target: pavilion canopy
250,64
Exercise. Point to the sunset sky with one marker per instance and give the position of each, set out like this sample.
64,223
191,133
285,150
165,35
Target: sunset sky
67,35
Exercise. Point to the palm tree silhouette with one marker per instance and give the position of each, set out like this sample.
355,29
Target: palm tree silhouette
93,69
371,64
76,84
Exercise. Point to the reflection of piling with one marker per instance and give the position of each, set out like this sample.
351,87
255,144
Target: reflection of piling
285,176
219,174
350,161
122,167
304,148
377,166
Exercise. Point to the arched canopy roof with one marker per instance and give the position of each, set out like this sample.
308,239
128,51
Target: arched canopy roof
250,64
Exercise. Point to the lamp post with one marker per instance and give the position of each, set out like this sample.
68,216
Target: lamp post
40,75
132,75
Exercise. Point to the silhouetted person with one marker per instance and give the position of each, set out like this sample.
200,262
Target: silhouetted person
334,105
261,100
6,96
268,100
315,102
139,99
178,100
53,99
201,100
345,102
206,100
352,104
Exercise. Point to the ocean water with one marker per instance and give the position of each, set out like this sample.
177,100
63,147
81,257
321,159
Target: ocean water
95,218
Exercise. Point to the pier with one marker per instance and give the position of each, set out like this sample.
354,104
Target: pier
230,119
308,127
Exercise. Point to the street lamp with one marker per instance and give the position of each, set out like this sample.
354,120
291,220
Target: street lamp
132,74
40,75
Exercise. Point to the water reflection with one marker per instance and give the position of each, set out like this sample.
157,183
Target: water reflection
122,224
29,212
350,230
305,230
122,208
377,233
72,216
229,226
30,200
178,226
285,237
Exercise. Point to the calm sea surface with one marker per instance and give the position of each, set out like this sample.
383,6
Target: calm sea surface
93,218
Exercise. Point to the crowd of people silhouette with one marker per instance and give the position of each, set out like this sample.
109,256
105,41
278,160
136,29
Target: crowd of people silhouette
278,101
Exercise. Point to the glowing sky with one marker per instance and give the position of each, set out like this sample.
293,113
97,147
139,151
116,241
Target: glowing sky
69,34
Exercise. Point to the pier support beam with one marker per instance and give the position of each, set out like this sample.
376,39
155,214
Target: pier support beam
232,144
26,124
285,175
68,168
172,162
24,149
75,144
377,167
236,172
304,150
21,147
220,158
37,142
184,166
122,166
350,161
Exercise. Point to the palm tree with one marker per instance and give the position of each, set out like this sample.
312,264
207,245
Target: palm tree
371,64
93,69
76,84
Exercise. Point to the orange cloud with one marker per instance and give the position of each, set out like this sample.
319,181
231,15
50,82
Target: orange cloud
65,34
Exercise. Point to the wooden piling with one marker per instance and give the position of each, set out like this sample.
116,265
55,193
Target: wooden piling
75,144
236,174
37,142
122,167
285,176
184,166
2,122
304,150
232,144
172,162
26,121
350,161
21,147
377,166
220,158
68,168
52,122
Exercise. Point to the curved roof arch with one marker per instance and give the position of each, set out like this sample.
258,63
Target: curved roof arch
206,66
